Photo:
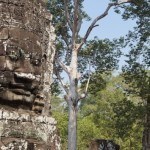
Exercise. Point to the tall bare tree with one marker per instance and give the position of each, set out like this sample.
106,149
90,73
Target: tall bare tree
73,44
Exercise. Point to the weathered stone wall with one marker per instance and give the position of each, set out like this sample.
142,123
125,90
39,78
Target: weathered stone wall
26,55
26,52
27,132
101,144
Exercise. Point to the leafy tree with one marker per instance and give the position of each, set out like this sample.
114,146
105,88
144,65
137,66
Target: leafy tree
68,17
114,116
59,112
136,72
62,118
105,114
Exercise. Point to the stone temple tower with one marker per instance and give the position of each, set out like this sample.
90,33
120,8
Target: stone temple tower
26,66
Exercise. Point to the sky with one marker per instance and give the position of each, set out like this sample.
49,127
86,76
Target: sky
112,26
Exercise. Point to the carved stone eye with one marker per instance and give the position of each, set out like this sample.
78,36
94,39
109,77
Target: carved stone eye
16,54
36,62
13,55
44,58
35,59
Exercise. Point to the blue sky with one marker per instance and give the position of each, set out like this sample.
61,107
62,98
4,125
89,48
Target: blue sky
109,27
112,26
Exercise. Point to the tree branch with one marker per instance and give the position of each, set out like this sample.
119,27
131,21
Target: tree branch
93,24
84,94
64,67
125,1
87,84
97,19
75,23
61,82
66,41
68,18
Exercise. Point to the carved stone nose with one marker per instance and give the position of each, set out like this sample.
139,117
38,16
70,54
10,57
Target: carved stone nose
25,76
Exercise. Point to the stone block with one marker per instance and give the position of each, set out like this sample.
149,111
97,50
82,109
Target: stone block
38,131
2,63
102,144
3,33
25,38
2,49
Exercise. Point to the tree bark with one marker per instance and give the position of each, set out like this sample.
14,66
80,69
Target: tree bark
72,127
146,132
73,101
72,95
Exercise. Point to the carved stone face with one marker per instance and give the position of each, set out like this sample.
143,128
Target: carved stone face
22,63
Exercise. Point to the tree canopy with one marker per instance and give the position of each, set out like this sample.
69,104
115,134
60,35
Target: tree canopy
84,61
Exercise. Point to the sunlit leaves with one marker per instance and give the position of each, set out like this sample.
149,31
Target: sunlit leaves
106,114
126,114
101,55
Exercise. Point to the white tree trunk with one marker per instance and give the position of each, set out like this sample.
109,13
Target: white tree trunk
146,133
72,95
72,127
72,103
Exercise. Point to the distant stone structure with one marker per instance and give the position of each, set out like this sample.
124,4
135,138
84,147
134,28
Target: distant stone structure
101,144
26,66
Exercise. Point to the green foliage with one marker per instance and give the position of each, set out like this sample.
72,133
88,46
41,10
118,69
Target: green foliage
59,113
115,117
131,116
101,55
62,123
96,82
86,131
55,88
106,114
62,29
136,72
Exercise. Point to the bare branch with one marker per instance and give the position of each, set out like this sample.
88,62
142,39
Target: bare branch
82,42
93,24
66,41
135,2
64,67
84,94
75,23
97,19
61,82
68,18
124,1
87,84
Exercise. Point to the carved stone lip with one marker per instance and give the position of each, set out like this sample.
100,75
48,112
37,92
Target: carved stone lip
17,85
27,76
22,86
20,92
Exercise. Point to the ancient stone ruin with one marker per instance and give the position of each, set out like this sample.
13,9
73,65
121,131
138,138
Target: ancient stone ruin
101,144
26,56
